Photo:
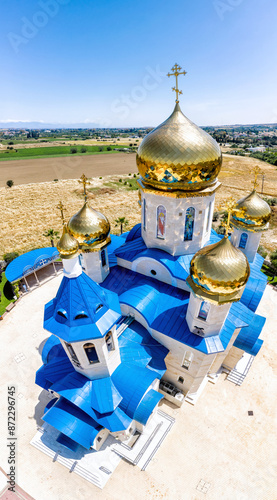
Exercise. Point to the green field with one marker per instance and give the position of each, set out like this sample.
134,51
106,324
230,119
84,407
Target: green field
49,152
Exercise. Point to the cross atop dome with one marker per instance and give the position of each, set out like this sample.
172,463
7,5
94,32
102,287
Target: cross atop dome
176,72
62,208
84,180
256,171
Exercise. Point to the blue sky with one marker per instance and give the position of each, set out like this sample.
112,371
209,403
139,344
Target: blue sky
73,61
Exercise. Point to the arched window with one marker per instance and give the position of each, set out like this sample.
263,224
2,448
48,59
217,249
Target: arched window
187,360
144,214
204,310
72,354
161,221
208,216
109,341
243,240
81,315
103,258
91,353
189,224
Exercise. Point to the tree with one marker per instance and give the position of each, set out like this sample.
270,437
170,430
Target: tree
122,222
73,150
50,233
109,148
83,149
10,183
8,257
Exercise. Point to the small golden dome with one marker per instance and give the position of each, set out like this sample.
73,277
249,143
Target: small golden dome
179,155
90,228
67,246
219,271
256,216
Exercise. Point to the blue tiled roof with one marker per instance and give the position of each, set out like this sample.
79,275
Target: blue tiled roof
51,349
134,233
26,263
76,296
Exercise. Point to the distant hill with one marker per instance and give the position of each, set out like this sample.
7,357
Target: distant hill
42,125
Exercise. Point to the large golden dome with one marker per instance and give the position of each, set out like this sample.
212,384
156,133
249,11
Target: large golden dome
256,216
219,272
67,246
179,155
90,228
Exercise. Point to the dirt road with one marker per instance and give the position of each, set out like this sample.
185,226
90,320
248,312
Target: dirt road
69,167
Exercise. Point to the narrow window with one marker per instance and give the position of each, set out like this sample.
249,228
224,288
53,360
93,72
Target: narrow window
98,307
243,240
187,360
72,353
91,353
161,221
103,258
204,310
189,224
81,315
208,216
109,341
144,214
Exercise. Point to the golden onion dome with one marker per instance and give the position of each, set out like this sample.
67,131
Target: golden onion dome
90,228
219,272
67,246
179,155
255,213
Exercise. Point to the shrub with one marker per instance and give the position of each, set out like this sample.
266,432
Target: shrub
134,175
271,201
83,149
100,177
8,257
10,142
125,183
262,251
120,180
100,149
10,183
129,174
109,148
56,180
73,150
215,216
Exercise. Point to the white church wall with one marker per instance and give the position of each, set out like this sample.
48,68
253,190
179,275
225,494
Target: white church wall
107,361
173,241
93,265
215,318
252,243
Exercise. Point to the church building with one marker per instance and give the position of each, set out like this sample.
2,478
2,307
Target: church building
160,310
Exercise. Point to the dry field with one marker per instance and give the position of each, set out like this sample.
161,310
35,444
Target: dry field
29,209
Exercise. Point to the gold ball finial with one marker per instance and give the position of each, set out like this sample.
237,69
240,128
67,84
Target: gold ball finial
176,71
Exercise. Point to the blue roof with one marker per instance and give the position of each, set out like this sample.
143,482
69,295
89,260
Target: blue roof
147,405
248,338
100,394
255,285
28,262
72,422
81,296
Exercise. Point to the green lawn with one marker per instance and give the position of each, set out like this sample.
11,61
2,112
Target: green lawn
4,302
52,151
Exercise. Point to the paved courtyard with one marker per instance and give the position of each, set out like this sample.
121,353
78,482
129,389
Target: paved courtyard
215,449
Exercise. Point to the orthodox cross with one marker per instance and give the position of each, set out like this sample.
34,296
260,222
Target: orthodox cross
62,208
176,72
85,182
231,208
256,171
